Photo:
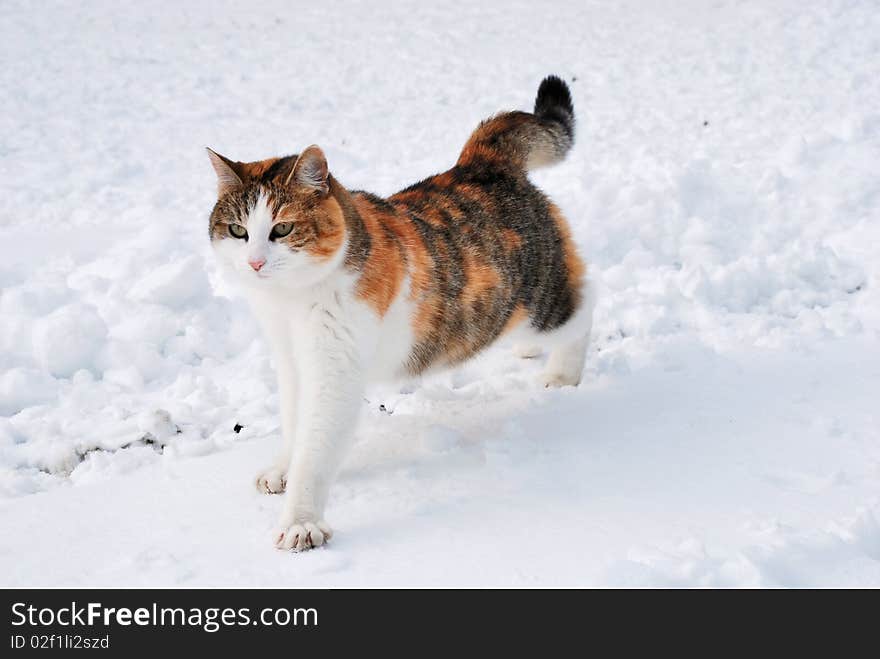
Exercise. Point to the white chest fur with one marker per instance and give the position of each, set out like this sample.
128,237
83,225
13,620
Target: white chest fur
330,317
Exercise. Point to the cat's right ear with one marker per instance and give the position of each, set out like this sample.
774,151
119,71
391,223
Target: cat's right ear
310,171
228,176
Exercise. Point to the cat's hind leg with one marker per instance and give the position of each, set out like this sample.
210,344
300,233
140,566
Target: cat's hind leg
566,364
568,344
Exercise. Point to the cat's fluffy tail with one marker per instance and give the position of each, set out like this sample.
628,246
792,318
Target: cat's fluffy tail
554,108
524,140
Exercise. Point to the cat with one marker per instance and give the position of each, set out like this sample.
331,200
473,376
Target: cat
351,288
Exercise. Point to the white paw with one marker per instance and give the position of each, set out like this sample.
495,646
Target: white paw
300,537
272,480
560,379
527,351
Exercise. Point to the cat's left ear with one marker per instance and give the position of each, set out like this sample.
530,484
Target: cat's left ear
229,177
310,171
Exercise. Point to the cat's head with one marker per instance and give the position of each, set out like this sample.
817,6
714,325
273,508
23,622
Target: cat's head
278,222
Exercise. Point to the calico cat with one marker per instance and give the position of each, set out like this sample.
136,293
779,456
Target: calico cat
351,288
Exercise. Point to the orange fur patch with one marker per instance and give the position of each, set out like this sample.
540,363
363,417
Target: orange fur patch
477,194
480,278
426,317
407,256
330,230
573,262
510,240
254,170
516,318
383,272
496,140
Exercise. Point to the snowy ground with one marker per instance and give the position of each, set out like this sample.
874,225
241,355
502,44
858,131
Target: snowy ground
724,186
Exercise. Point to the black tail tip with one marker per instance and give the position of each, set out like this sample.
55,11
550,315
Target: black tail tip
553,96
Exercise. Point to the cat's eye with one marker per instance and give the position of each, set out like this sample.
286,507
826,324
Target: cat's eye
281,229
237,231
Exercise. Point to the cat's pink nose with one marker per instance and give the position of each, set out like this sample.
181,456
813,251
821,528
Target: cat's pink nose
256,264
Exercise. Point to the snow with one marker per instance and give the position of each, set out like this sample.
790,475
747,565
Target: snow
723,187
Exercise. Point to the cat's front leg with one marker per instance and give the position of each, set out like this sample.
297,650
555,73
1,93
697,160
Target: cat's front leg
331,392
326,430
273,479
